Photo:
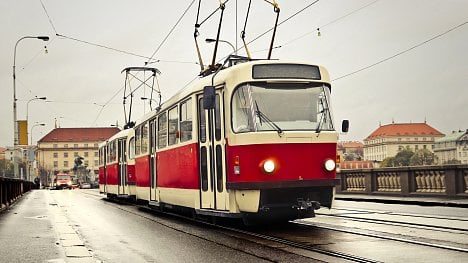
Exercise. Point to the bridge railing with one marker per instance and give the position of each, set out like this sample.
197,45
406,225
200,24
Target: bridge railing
445,181
12,189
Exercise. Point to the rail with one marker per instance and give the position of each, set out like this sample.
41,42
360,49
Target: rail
449,181
11,190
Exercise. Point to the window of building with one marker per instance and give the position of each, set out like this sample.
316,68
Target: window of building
55,164
55,145
96,154
65,164
95,145
85,154
75,154
65,145
55,155
86,163
186,121
65,154
75,145
173,130
85,145
96,163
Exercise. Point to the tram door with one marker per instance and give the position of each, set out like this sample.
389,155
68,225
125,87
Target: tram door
152,161
213,192
122,161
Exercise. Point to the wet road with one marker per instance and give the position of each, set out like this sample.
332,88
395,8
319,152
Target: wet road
79,226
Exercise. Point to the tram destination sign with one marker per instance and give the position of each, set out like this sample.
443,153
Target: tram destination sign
286,71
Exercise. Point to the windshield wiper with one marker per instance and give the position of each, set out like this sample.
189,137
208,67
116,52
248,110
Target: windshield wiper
263,117
325,110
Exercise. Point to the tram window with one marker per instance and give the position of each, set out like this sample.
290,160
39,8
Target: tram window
217,119
144,138
219,168
137,141
186,121
131,148
204,168
162,130
173,133
202,122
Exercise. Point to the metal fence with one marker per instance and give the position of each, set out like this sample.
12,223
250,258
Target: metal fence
445,181
11,190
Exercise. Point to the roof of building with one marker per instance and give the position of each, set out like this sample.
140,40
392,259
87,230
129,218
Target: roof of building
79,134
350,145
453,136
404,129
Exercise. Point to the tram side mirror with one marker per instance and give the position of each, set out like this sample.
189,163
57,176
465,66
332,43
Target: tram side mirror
209,97
345,126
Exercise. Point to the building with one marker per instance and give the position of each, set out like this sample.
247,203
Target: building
57,151
2,153
350,151
452,148
388,140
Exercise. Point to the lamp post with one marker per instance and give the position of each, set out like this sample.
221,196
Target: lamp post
15,124
211,40
37,124
30,160
27,111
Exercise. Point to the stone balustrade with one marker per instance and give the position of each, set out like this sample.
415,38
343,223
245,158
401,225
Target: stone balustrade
447,180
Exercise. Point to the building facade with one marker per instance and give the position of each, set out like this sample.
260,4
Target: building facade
452,148
57,151
388,140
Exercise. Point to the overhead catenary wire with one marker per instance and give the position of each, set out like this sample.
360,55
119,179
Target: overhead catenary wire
170,31
402,52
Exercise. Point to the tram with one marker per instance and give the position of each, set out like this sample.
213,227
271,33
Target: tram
254,141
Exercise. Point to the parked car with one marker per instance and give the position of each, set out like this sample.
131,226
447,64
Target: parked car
85,186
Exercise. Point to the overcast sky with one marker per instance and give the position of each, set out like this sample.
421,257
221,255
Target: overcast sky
398,60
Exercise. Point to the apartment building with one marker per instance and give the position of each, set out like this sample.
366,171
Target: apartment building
57,151
388,140
452,148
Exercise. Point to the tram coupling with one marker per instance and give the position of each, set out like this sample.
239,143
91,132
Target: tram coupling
305,205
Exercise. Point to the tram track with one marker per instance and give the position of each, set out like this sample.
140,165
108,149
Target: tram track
248,235
383,236
289,243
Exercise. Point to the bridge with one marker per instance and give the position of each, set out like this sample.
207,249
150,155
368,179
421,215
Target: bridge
81,225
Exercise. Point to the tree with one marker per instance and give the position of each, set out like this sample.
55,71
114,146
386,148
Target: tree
422,157
403,157
6,168
388,162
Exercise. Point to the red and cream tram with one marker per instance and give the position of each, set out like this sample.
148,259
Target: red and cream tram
117,165
252,141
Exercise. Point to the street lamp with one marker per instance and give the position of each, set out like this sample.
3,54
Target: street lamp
27,109
211,40
15,124
37,124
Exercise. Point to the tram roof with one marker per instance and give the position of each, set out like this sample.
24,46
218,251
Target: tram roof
230,73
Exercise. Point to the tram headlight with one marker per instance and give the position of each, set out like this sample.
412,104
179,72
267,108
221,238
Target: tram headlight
329,165
269,166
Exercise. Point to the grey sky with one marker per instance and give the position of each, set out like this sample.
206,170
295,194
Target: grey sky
426,82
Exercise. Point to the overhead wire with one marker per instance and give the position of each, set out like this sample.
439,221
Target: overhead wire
170,31
402,52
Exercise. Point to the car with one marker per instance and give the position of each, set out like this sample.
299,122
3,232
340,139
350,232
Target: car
85,186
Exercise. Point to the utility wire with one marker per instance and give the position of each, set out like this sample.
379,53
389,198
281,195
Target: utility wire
329,23
47,14
402,52
170,32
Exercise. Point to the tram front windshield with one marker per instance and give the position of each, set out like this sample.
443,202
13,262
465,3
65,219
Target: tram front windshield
258,107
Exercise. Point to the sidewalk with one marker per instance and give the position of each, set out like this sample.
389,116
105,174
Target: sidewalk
34,229
423,201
